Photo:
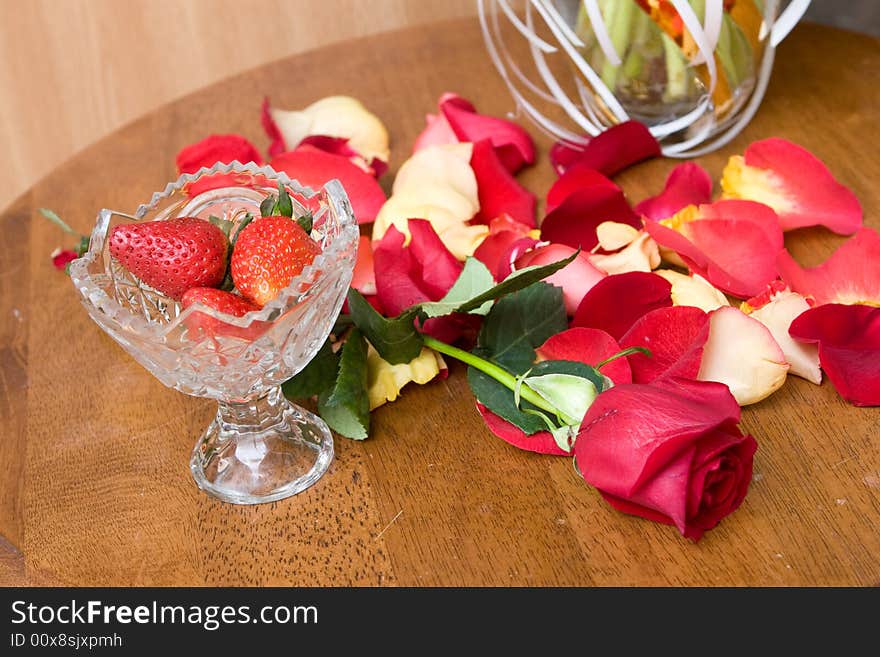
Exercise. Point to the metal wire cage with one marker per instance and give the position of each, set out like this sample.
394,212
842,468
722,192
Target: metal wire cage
694,71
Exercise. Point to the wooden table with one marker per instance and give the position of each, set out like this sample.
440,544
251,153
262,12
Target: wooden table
94,485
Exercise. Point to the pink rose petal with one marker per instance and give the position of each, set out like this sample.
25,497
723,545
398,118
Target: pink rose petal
575,279
687,184
849,348
675,336
612,151
850,275
313,168
495,250
437,132
616,302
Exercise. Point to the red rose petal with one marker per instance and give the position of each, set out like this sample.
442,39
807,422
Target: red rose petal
512,254
499,192
364,277
437,267
616,302
512,144
614,150
575,219
541,442
849,348
276,145
850,275
60,259
687,184
213,149
816,198
494,251
590,346
340,146
675,337
313,168
575,279
575,179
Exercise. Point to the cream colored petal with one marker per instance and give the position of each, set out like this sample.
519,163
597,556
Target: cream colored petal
641,254
742,354
693,290
613,236
445,166
385,381
777,315
397,210
336,116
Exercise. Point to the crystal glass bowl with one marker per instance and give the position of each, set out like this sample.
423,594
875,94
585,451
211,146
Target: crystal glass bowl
259,447
693,71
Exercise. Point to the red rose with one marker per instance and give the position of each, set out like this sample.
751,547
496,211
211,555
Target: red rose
670,451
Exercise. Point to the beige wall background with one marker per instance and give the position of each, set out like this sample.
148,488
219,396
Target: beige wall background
71,71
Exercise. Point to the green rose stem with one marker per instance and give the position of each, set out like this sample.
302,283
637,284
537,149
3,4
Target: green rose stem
501,375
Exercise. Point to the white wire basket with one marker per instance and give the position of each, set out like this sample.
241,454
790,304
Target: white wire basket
693,71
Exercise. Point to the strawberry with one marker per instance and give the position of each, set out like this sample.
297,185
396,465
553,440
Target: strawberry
172,256
225,302
269,252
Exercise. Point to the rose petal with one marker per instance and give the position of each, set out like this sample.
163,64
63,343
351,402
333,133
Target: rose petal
332,116
438,268
614,150
687,184
675,336
211,150
795,183
276,139
616,302
850,275
777,315
511,143
575,179
541,442
693,290
499,191
437,132
742,354
849,348
340,146
641,254
60,259
314,168
734,253
385,381
575,220
590,346
575,279
495,250
364,277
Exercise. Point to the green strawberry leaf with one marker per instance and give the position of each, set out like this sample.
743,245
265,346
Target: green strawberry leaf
475,279
518,280
316,377
345,407
520,322
267,206
305,222
284,206
396,340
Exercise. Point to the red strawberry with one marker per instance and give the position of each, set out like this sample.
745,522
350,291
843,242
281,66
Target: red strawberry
268,254
225,302
174,255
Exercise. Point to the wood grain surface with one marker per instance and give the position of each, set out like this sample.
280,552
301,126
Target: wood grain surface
94,484
71,71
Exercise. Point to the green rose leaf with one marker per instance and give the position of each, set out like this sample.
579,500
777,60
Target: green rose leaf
316,377
475,279
396,340
346,406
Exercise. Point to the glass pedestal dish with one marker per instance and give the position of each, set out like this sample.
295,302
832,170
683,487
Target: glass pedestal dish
260,447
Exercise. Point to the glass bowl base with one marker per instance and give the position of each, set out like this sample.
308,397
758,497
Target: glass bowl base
261,451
